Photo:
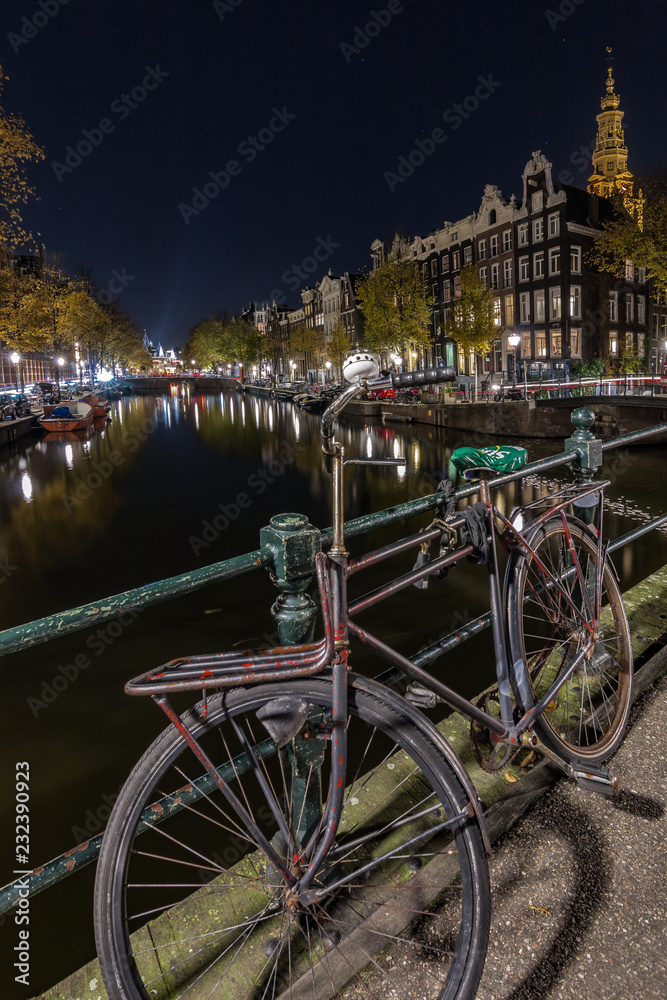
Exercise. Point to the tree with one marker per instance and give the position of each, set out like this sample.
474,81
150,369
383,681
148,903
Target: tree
625,239
48,304
205,344
472,322
241,342
397,312
17,147
310,340
338,345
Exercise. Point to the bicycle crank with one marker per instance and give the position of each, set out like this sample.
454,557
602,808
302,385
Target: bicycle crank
490,751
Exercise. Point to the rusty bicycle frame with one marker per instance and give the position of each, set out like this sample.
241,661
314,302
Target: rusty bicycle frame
212,672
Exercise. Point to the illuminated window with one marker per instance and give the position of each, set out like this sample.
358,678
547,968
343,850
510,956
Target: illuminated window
555,303
575,301
575,343
509,310
524,307
526,345
540,344
556,346
497,313
539,306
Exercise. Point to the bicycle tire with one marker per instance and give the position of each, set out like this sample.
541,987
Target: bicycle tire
439,912
588,719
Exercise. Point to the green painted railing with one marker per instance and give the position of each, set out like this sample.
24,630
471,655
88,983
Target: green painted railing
289,553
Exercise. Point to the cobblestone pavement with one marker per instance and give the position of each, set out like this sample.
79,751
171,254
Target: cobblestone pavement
579,888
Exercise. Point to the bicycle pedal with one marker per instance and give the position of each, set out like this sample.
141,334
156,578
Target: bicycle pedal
420,696
595,778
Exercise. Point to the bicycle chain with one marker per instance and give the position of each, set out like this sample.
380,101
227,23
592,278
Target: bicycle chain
489,751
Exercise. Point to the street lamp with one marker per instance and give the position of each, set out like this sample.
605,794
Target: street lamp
414,359
327,365
15,358
514,340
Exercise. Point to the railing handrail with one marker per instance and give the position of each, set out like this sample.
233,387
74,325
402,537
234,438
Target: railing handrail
87,615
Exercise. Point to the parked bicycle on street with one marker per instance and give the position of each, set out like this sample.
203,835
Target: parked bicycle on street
300,818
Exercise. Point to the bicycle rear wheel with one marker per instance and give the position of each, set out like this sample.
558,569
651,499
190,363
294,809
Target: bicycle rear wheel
186,904
587,718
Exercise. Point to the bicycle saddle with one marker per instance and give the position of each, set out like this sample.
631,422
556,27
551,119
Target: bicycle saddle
496,458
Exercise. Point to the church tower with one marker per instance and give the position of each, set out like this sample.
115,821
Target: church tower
610,159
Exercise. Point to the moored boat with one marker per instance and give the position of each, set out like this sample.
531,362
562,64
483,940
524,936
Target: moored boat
72,416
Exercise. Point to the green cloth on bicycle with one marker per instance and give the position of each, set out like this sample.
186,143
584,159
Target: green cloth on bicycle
498,457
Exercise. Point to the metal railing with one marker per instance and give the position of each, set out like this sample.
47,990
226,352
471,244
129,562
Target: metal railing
288,547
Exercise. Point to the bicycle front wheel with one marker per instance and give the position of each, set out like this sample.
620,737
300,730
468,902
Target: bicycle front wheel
188,905
548,626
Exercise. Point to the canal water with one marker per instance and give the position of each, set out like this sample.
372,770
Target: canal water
173,483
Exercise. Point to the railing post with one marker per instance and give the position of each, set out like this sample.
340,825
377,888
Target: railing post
293,544
589,458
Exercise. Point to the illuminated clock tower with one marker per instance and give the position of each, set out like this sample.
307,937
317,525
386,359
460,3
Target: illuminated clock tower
610,159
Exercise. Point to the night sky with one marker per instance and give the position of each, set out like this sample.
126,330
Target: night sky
301,129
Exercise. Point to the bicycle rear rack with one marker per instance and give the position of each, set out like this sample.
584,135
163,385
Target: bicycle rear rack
212,671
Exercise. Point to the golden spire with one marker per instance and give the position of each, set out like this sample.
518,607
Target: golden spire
610,158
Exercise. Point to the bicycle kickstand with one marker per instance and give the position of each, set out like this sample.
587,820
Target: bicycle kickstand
592,777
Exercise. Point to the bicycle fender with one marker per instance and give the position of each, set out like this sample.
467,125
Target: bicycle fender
400,705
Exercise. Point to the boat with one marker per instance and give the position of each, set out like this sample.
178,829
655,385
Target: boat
73,416
101,407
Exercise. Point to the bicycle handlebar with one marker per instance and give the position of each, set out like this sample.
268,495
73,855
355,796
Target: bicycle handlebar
394,380
426,377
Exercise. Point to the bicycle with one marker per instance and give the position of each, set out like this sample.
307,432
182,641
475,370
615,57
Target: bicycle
251,855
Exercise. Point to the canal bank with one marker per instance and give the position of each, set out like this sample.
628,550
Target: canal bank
554,908
523,418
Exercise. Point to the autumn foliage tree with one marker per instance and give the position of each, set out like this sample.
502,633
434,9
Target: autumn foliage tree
624,239
397,312
17,149
472,315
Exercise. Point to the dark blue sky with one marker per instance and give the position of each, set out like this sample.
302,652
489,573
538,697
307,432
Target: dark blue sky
315,175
